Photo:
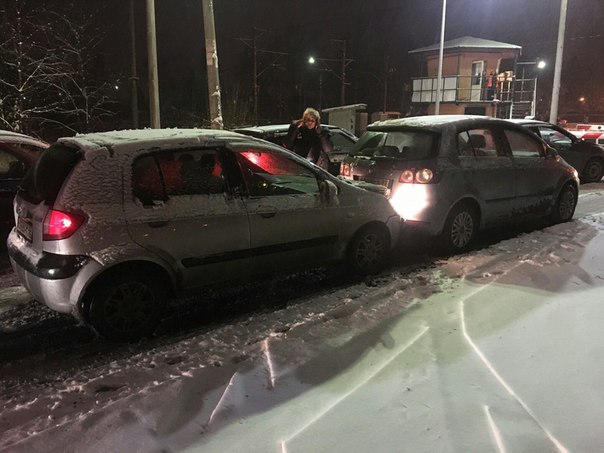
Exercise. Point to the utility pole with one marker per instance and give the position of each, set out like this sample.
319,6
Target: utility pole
133,74
152,57
344,62
553,112
276,56
212,65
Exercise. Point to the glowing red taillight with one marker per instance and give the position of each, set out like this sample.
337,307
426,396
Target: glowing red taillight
60,225
344,169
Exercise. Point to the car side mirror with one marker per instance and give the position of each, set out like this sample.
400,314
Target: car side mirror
551,153
329,191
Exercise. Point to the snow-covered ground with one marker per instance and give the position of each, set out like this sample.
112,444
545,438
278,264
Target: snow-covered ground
501,350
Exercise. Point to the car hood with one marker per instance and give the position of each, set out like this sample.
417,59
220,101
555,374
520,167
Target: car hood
377,188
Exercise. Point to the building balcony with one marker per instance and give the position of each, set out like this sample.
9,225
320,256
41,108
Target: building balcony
474,89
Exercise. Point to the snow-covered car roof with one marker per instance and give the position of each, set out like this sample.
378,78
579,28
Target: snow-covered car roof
434,122
153,137
14,138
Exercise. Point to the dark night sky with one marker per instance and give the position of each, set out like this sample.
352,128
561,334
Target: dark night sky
372,30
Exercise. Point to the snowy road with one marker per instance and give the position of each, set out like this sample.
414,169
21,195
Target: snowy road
496,350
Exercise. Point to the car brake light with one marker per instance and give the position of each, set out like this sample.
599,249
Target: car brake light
344,169
406,176
60,225
421,176
424,176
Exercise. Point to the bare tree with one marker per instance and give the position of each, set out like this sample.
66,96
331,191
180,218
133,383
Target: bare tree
49,73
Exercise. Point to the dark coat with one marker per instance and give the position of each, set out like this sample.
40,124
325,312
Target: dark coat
314,146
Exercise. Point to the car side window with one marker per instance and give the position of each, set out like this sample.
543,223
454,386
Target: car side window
554,138
11,167
478,142
341,142
523,145
161,175
269,173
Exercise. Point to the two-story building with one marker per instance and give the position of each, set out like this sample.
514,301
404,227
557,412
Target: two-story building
479,77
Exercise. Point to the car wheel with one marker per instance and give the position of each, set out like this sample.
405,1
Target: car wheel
593,171
460,228
564,208
368,250
127,307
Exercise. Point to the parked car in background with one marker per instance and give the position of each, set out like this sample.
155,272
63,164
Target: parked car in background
17,153
342,140
586,157
450,175
109,225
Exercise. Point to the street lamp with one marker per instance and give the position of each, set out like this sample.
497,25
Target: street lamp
344,62
539,65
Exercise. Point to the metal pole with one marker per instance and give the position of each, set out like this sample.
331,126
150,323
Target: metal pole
212,64
133,74
343,93
440,59
385,84
255,80
152,57
553,112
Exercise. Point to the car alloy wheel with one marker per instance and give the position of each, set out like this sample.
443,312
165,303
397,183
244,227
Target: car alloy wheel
127,307
565,206
368,250
460,228
594,170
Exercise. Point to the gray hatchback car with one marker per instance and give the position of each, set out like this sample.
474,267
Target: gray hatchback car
450,175
110,225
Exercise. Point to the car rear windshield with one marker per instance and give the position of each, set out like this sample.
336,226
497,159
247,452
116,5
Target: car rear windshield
44,179
405,145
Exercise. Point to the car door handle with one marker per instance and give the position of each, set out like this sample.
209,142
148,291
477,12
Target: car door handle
158,224
266,212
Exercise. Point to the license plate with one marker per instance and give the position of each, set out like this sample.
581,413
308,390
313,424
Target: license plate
24,228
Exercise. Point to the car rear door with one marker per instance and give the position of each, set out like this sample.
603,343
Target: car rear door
182,208
489,171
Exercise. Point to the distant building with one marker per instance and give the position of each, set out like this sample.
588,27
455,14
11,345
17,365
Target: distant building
479,77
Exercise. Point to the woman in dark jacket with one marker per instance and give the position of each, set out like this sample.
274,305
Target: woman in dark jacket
307,138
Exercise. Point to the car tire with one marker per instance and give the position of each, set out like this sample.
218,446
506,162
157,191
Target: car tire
460,228
126,306
564,209
368,250
593,171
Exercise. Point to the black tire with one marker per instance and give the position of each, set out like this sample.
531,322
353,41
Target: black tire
368,250
460,228
127,306
564,209
593,171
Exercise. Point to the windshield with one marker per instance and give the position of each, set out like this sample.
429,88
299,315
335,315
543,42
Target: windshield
44,179
406,145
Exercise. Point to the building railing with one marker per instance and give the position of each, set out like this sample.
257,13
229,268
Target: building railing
468,89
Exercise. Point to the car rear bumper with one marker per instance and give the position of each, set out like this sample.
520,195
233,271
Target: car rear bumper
55,280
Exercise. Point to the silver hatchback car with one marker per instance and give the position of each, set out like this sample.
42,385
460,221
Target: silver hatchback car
110,225
450,175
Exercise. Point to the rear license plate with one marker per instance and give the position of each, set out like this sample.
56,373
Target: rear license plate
24,228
